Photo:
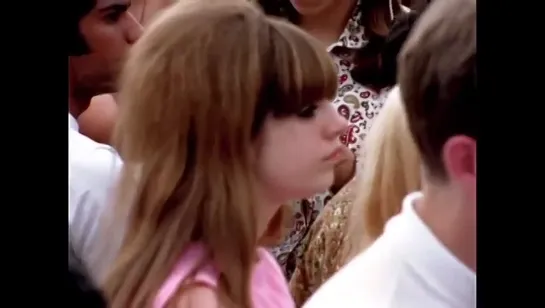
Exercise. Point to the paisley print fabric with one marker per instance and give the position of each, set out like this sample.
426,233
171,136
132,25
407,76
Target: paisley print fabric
360,106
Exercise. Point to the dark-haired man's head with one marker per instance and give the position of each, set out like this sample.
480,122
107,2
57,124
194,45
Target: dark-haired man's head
437,77
101,32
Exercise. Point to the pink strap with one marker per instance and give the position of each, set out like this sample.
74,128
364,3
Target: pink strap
186,264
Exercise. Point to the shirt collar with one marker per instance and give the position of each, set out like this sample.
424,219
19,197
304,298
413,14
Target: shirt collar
433,259
72,123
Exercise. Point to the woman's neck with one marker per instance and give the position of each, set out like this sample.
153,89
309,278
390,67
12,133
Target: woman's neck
266,213
379,23
328,25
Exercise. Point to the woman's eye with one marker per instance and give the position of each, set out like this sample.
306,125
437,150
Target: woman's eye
308,112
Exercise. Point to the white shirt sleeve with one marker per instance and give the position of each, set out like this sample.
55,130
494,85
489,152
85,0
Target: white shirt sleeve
94,170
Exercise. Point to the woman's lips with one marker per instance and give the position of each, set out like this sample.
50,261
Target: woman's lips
335,154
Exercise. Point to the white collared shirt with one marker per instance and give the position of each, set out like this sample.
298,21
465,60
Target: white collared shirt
93,172
72,123
407,267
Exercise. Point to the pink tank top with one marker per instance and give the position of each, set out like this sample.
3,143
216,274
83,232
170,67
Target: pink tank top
269,286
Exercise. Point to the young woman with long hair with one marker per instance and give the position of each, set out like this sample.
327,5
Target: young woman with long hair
356,216
354,33
224,115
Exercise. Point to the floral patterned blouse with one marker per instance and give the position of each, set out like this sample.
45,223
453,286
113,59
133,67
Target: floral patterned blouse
360,106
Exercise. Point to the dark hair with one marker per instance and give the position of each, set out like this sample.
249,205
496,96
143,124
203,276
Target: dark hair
77,9
399,32
81,291
437,78
368,69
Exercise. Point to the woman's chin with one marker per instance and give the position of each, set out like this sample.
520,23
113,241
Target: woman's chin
321,184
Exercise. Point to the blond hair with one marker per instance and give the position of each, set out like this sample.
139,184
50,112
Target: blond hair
391,169
195,92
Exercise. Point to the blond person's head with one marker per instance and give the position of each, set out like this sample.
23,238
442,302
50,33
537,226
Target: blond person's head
391,169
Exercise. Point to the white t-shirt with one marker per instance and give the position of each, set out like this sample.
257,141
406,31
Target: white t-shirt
407,267
93,173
